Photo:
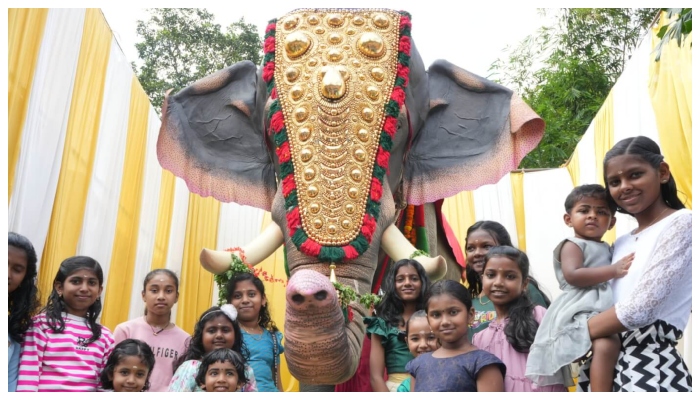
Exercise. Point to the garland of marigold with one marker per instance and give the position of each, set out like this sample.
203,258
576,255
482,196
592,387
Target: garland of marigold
408,224
278,131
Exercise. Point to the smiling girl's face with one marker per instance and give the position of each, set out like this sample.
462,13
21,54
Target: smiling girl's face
218,333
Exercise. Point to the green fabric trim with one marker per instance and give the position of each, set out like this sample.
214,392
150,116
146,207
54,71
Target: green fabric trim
422,239
373,208
360,243
331,254
299,237
291,200
392,108
286,169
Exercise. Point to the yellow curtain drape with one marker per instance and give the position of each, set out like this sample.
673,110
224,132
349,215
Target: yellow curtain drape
573,167
670,89
516,182
25,33
165,217
196,283
459,212
277,298
121,273
79,148
603,140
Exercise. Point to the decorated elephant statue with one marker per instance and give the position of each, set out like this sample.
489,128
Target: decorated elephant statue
341,120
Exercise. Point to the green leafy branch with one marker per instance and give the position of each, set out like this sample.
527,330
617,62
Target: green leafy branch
346,295
679,27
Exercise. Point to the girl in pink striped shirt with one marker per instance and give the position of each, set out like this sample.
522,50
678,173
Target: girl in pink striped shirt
66,349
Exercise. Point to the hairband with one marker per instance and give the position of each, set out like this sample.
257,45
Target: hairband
228,309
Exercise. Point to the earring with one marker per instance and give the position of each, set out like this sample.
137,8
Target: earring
664,181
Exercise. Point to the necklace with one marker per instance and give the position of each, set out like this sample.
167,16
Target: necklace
256,336
636,234
153,329
481,302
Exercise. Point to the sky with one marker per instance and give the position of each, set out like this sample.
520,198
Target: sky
469,38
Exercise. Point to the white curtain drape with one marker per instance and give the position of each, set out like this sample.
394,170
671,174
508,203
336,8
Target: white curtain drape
102,204
149,216
44,131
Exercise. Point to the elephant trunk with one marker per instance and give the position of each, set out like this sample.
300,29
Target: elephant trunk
320,347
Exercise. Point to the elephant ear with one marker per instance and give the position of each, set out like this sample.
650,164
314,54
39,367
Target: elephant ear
212,137
476,131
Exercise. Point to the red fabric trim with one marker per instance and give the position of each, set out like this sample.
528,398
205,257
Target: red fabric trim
293,220
452,241
375,189
383,158
390,125
350,252
269,45
284,154
419,217
405,45
368,227
311,248
269,71
288,184
277,121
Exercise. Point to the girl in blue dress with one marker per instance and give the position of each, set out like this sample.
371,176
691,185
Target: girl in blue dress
260,334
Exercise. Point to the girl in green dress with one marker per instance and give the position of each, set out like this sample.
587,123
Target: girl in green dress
404,293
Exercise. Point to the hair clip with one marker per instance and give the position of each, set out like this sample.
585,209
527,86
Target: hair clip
230,311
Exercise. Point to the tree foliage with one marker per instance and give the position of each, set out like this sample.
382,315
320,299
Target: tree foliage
576,60
680,25
181,45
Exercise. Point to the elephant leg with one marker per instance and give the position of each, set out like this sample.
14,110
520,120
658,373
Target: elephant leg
316,333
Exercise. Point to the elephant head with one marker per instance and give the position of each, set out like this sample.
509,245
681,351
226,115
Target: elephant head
341,119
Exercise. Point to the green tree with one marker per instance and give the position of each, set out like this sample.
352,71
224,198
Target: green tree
680,25
576,60
181,45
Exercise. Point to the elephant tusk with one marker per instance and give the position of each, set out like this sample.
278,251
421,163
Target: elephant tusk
398,247
269,240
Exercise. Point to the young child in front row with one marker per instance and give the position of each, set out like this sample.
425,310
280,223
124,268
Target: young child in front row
222,370
457,366
66,350
582,267
420,339
129,367
217,328
511,334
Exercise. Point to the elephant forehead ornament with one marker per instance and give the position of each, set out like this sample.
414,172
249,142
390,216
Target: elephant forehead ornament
340,123
337,97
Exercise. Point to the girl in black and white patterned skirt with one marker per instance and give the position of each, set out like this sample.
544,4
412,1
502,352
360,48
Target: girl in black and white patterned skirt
653,302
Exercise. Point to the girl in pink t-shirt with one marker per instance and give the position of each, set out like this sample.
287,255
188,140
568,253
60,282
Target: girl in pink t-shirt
167,340
66,349
511,334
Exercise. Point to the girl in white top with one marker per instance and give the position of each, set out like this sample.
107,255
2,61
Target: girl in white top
653,302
